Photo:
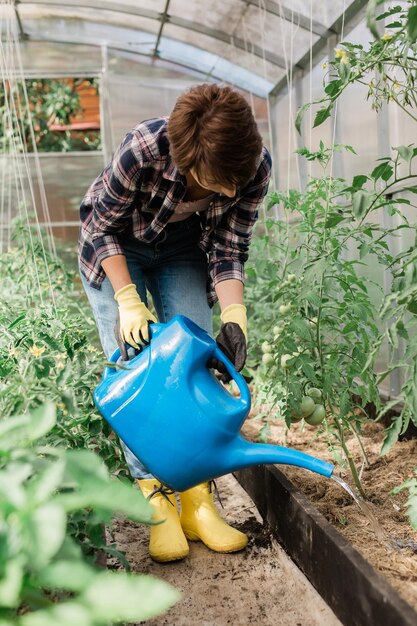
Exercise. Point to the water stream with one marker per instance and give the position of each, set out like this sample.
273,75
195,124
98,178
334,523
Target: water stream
379,532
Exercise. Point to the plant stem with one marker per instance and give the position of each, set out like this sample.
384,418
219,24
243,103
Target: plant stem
348,456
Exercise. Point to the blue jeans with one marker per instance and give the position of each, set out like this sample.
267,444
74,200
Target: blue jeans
174,271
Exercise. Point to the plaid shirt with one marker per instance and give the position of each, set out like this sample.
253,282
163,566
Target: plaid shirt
138,192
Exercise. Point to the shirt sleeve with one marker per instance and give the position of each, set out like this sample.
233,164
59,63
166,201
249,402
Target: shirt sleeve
112,207
231,238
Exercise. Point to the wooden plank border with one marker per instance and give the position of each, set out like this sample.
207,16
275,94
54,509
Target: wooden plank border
356,593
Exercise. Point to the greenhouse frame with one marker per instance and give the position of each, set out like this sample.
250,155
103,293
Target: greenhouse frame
330,282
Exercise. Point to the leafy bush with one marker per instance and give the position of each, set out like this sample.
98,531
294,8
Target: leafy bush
44,578
45,351
322,322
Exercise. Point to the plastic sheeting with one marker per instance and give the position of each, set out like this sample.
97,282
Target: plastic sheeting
249,43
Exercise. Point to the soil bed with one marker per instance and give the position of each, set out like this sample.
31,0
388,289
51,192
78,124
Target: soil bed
398,566
260,585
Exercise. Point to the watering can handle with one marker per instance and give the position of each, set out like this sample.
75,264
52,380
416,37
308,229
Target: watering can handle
109,371
236,376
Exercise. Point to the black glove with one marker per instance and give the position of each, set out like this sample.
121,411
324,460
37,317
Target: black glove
232,342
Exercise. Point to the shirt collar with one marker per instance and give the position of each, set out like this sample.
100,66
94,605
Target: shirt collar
171,173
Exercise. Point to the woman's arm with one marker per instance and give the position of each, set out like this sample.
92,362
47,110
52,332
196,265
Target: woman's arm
229,292
117,271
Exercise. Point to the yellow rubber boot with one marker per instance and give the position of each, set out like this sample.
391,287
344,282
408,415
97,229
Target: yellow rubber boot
201,521
167,541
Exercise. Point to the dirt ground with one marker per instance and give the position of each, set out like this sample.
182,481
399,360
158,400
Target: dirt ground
394,554
260,585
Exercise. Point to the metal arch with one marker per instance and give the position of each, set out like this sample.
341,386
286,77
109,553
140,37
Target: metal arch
165,18
270,7
263,93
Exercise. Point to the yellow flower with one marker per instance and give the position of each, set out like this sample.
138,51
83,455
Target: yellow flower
324,66
37,350
91,348
342,55
387,37
396,85
13,352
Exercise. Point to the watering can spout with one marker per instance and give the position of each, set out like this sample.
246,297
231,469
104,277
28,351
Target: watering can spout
245,454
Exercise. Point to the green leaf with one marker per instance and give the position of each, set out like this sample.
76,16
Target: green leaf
18,319
333,88
68,575
363,250
46,530
344,71
65,614
391,434
361,202
25,429
412,24
405,152
411,485
313,299
350,327
389,12
359,181
350,149
334,219
301,328
46,481
127,598
371,16
11,582
402,330
299,117
322,115
94,488
314,271
383,170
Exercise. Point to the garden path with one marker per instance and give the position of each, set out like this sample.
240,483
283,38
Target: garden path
260,585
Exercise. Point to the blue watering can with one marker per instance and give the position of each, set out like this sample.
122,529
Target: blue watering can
177,418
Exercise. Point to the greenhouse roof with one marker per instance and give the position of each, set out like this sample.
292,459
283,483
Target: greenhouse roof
250,43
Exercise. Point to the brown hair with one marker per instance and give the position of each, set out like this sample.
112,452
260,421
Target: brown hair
212,130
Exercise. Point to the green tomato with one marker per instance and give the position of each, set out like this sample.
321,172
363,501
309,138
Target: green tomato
307,406
284,361
284,309
317,416
266,347
291,278
267,358
314,393
313,321
304,409
277,330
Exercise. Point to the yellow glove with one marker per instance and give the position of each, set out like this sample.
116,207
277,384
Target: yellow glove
134,316
236,313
